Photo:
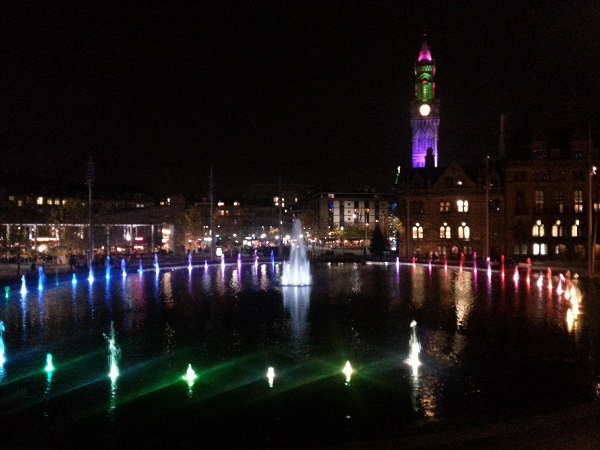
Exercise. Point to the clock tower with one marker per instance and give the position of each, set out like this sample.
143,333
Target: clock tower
425,110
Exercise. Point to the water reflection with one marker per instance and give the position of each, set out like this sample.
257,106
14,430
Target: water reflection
419,280
463,297
296,301
482,340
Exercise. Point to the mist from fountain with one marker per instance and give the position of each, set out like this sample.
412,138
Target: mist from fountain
296,271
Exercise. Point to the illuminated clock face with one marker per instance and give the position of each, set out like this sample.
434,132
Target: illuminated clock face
424,109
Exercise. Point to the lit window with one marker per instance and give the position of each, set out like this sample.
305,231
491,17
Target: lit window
417,231
538,229
578,199
444,207
462,205
464,232
40,200
557,229
49,201
575,229
445,231
540,249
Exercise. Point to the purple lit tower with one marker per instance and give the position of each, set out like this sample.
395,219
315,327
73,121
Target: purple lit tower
425,110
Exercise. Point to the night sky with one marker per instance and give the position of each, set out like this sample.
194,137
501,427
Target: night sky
318,92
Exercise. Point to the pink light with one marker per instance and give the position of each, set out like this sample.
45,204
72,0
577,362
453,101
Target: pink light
425,54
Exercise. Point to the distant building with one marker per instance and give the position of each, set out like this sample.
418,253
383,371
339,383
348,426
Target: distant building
351,216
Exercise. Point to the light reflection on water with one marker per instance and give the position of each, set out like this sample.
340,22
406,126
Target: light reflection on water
480,337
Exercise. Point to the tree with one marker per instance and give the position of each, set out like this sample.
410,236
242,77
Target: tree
192,223
378,243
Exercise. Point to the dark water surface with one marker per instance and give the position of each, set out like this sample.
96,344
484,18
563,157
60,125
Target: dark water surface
492,349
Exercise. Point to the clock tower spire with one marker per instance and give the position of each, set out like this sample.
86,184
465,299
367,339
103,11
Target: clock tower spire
425,110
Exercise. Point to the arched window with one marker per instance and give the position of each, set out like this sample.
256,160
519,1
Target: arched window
417,231
464,232
462,205
538,229
445,231
557,229
575,229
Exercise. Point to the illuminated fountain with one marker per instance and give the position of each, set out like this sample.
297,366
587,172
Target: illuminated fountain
190,376
107,267
348,372
140,268
2,354
49,366
414,348
270,376
156,266
540,280
113,353
303,330
41,278
296,271
123,267
190,261
23,286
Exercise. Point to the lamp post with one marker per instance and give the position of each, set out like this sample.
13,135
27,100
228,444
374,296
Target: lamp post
487,208
90,183
591,243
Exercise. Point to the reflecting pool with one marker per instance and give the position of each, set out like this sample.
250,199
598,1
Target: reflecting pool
224,355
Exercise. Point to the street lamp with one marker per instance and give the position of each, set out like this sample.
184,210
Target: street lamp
591,240
487,208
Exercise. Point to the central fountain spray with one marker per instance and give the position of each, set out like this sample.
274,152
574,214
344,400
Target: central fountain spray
296,271
113,353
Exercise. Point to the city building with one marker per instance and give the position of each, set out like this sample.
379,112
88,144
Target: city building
552,196
345,218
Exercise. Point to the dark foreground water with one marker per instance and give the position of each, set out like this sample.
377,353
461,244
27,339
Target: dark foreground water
492,349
